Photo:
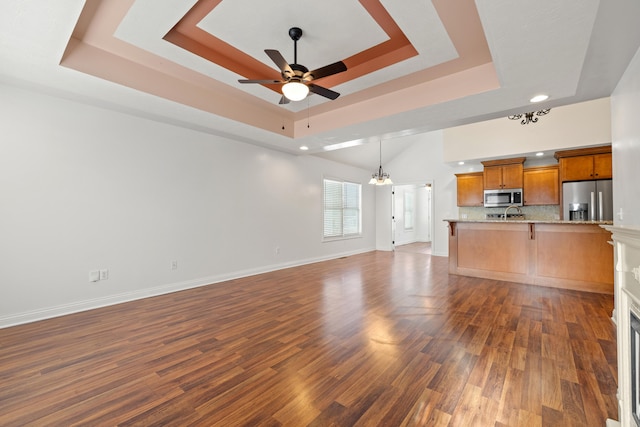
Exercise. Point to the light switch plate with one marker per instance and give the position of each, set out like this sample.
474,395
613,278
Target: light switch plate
94,275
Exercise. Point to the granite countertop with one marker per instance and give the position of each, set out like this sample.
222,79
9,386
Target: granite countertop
532,221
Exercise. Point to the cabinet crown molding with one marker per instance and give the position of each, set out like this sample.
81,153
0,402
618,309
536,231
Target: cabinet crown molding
501,162
469,174
604,149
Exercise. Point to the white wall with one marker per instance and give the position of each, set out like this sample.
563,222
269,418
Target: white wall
423,213
83,188
384,201
625,126
577,125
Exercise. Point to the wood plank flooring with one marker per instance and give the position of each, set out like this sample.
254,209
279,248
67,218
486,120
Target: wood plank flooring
378,339
416,247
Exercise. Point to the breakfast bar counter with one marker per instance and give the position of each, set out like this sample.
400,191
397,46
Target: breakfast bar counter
562,254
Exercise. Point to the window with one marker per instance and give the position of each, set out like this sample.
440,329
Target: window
342,217
408,210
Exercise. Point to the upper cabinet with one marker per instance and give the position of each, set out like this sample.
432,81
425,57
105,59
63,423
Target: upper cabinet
585,164
505,173
470,189
541,186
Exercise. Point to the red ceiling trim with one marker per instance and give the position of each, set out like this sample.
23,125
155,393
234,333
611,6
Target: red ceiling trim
187,35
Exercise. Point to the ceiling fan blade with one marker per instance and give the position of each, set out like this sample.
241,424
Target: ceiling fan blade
283,100
327,70
323,91
263,82
279,60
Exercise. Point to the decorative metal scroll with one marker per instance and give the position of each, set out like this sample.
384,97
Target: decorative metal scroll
530,116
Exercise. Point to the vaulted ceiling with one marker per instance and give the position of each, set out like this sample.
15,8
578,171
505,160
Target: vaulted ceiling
412,65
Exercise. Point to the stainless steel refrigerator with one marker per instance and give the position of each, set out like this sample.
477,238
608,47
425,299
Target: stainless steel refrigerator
588,200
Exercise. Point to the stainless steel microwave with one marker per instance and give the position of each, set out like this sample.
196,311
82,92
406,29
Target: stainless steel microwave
502,198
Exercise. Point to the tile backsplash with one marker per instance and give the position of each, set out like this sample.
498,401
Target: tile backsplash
541,213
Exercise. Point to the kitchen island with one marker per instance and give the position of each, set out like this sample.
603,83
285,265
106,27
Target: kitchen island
562,254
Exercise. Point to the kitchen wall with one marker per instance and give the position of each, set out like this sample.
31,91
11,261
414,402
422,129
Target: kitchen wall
625,104
83,188
577,125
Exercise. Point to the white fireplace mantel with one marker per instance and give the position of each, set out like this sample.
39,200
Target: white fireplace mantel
626,242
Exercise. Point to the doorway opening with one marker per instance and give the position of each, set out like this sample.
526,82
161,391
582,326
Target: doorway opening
412,213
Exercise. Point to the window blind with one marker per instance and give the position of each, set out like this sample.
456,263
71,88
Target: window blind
341,209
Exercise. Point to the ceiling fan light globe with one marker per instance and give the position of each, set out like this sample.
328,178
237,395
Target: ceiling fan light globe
295,91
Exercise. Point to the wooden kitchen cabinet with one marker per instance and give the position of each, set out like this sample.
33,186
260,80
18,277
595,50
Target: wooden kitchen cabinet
470,189
585,164
541,185
504,173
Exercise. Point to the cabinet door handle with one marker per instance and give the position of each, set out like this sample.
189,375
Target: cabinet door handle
532,232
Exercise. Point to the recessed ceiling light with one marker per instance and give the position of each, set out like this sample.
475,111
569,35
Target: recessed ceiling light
461,163
539,98
540,154
304,148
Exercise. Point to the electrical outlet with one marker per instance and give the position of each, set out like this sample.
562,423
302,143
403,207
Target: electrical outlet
277,250
104,274
94,275
174,265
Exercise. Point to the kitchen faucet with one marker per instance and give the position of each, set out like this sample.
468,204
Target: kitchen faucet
511,207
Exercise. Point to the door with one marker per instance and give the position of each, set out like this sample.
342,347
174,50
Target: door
393,219
414,225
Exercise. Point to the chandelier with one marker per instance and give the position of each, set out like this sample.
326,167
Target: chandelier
529,117
380,177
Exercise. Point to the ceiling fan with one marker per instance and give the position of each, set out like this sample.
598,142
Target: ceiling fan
296,78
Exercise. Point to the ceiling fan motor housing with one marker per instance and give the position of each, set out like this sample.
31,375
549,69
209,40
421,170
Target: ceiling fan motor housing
299,72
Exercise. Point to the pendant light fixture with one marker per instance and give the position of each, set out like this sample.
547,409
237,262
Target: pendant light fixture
380,177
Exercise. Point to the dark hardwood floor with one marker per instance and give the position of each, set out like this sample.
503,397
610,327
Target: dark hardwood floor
378,339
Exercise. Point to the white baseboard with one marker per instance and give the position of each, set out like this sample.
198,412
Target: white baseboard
78,306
